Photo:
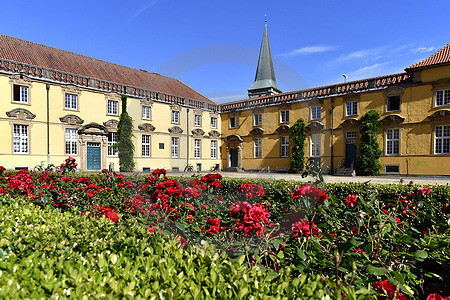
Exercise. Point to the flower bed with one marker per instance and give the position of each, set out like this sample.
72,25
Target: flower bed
391,240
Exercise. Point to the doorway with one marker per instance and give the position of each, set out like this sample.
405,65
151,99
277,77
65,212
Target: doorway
93,156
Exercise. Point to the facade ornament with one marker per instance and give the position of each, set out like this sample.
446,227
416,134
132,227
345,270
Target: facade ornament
315,126
257,131
214,134
93,129
72,119
111,124
392,119
146,127
175,130
21,114
198,132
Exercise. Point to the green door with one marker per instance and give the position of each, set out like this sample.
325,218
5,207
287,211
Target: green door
93,156
234,157
350,154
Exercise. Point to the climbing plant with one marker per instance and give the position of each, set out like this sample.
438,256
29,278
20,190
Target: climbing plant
298,136
124,143
369,149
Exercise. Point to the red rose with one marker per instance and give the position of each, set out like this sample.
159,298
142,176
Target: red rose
424,191
310,191
351,200
214,222
305,229
446,208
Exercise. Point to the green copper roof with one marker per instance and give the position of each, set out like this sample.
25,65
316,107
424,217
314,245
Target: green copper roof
265,73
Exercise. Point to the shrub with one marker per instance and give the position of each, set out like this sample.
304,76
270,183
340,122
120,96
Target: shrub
298,136
124,143
369,148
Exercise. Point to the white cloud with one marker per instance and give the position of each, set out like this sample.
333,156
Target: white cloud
145,8
225,97
360,54
308,50
424,49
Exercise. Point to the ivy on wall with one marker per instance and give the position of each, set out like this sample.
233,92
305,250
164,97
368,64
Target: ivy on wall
369,149
124,142
298,137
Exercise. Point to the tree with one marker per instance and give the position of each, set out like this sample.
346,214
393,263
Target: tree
298,136
369,151
124,142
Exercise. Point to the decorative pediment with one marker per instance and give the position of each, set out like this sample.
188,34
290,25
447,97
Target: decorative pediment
233,138
350,122
20,79
315,102
71,89
257,131
393,119
72,120
112,96
175,130
21,114
315,126
175,107
214,134
393,90
111,124
198,112
283,128
93,129
198,132
440,114
441,84
147,101
213,114
146,127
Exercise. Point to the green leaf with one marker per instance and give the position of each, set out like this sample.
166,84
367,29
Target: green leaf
180,226
421,254
377,271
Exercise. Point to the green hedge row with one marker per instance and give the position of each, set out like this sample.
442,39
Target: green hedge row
48,254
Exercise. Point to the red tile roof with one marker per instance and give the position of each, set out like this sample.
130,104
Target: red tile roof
440,57
43,56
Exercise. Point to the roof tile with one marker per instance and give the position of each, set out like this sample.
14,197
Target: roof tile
440,57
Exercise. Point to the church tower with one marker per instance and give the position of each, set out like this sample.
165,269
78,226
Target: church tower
265,82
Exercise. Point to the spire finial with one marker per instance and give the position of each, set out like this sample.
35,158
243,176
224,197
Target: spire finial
265,18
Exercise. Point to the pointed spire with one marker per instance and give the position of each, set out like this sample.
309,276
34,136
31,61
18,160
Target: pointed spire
265,81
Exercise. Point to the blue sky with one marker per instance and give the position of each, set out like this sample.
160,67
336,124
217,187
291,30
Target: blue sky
213,46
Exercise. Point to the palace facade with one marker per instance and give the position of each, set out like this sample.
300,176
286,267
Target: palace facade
56,104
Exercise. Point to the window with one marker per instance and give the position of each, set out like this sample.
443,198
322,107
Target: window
71,101
197,120
113,107
284,143
175,147
20,93
351,109
393,141
442,97
315,113
146,145
197,148
442,139
175,117
161,145
257,149
112,140
393,103
146,113
257,119
392,169
284,116
351,135
214,122
71,142
213,149
20,138
233,122
315,144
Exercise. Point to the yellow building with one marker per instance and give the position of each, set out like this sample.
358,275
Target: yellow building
414,132
56,104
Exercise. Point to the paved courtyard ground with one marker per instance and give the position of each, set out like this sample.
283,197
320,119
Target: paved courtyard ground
432,180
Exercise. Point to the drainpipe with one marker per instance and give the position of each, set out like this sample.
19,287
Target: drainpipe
47,86
332,136
187,137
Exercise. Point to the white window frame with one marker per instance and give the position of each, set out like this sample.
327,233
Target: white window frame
351,135
316,112
21,141
284,146
71,141
351,108
146,145
112,140
175,117
197,148
392,141
257,148
315,145
284,116
213,122
71,101
442,139
197,120
146,112
442,98
213,149
113,107
175,147
24,93
257,119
